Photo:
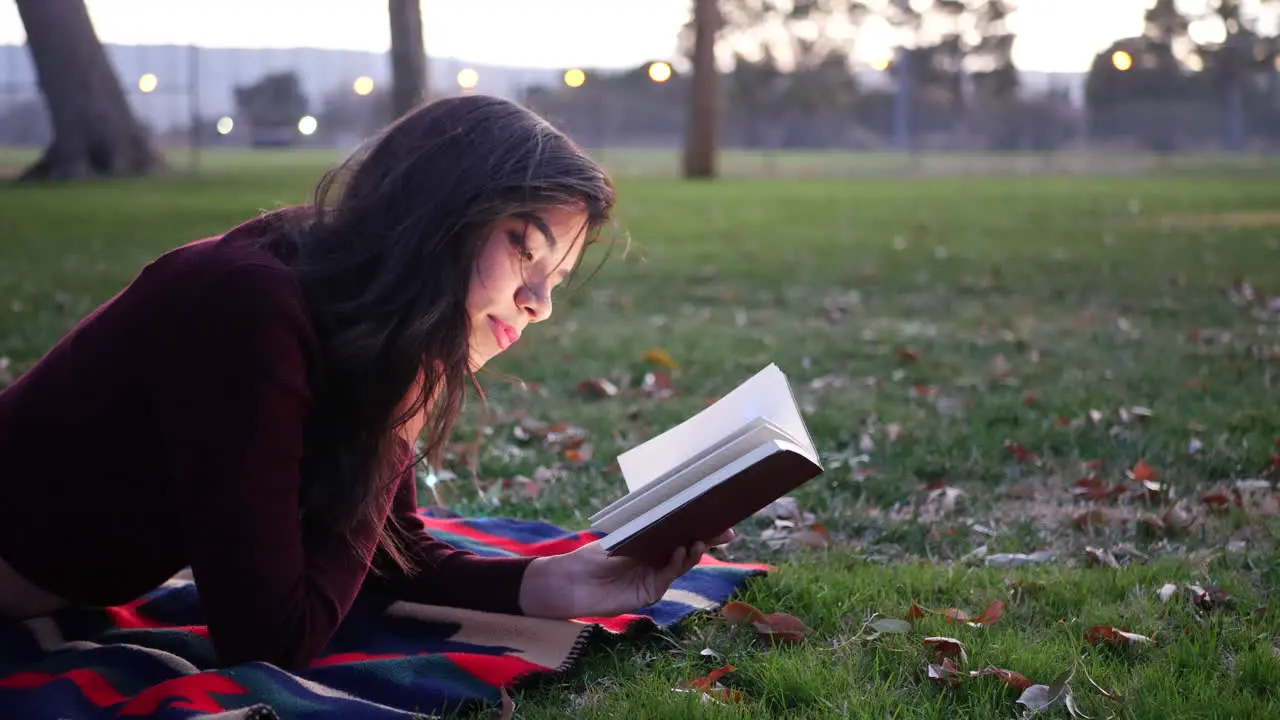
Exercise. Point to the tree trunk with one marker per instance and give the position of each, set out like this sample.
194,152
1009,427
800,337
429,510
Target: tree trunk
94,131
702,129
408,58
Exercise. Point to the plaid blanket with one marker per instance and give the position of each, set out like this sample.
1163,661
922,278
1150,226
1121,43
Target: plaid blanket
389,659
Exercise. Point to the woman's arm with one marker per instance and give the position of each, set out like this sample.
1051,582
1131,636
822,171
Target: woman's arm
233,398
441,574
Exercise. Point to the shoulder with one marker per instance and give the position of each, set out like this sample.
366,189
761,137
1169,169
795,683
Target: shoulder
228,290
227,273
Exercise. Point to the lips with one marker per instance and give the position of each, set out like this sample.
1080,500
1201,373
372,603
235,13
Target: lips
507,335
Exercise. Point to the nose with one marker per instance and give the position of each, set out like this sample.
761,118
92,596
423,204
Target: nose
534,302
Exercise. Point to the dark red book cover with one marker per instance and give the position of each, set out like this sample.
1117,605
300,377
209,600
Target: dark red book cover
720,508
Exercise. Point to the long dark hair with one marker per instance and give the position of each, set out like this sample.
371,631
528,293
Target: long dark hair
384,254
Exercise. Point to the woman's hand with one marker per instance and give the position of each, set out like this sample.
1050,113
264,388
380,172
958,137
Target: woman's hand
589,583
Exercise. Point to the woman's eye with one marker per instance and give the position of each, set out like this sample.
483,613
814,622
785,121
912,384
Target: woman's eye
517,242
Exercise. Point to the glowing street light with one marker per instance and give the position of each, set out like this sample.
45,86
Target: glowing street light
574,78
363,85
881,64
1122,60
225,125
659,72
148,82
468,79
307,125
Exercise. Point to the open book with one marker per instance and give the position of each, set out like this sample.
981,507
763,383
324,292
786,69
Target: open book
711,471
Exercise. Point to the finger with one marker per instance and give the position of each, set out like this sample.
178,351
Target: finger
694,557
722,538
673,567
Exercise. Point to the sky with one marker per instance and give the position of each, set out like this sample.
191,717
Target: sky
541,33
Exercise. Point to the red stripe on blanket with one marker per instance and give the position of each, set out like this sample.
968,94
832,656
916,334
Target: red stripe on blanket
196,693
127,617
353,657
542,547
617,623
95,687
709,560
496,670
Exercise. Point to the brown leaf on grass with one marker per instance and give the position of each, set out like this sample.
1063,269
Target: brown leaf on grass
783,627
1020,453
1209,598
1143,472
946,647
991,614
656,385
1092,488
580,454
659,356
1008,677
776,626
945,673
1217,502
739,613
709,685
1113,636
915,612
908,354
597,388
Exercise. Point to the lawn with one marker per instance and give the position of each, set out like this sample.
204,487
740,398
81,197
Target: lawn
1081,364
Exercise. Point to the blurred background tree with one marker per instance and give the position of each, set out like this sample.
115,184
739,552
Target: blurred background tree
95,133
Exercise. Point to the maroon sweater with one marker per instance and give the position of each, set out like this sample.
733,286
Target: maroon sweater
165,431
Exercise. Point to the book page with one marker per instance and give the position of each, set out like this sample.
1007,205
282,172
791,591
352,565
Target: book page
767,394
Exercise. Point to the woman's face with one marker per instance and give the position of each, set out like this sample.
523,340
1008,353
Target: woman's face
519,266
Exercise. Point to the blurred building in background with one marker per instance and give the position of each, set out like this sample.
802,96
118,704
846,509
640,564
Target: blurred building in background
1169,89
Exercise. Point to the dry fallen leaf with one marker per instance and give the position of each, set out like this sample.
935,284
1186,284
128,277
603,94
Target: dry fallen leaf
783,627
1113,636
945,673
948,648
709,685
775,626
1143,472
659,356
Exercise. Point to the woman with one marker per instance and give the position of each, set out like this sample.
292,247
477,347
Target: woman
248,405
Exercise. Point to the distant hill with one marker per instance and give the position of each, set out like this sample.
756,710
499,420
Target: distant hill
219,70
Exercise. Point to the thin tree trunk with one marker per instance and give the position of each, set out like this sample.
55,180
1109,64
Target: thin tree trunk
408,58
95,133
703,126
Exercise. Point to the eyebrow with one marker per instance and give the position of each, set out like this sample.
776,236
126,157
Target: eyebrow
536,220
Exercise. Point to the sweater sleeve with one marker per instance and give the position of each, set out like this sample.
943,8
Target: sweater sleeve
439,573
233,396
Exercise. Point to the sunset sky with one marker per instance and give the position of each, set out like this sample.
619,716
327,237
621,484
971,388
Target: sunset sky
542,33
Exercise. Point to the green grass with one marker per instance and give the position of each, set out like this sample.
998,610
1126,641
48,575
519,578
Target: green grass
887,302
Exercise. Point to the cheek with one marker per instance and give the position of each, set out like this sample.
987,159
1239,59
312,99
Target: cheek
494,277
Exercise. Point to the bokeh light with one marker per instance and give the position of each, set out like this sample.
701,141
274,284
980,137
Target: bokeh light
307,125
363,85
468,78
659,72
575,78
1122,60
225,125
148,82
